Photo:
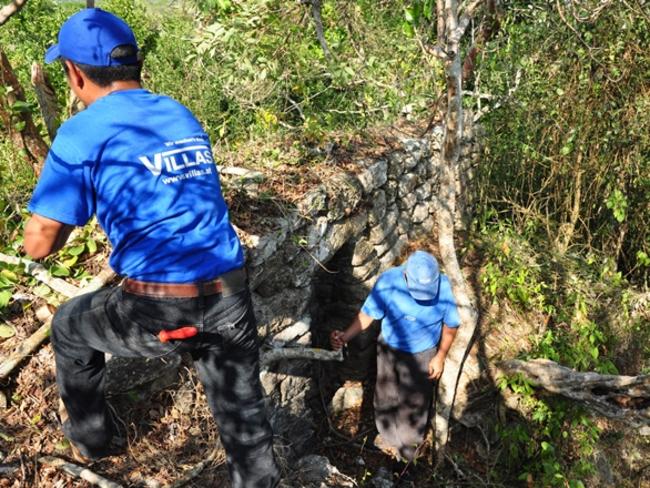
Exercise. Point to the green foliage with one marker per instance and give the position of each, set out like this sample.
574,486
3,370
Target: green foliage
250,69
555,446
577,299
571,139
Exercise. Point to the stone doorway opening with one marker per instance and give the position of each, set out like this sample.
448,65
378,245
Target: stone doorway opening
339,289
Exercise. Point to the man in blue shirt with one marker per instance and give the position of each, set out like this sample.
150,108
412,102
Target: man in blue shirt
419,320
143,165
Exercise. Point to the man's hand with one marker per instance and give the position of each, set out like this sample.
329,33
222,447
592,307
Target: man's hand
437,366
337,339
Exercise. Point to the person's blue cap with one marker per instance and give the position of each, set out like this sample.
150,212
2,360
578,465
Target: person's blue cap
422,276
89,37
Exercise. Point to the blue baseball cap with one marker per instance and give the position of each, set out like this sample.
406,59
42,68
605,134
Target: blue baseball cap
89,37
422,276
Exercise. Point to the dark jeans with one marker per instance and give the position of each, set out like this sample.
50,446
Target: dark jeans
225,353
403,394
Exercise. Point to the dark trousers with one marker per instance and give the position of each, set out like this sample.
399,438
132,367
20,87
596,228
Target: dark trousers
225,354
403,394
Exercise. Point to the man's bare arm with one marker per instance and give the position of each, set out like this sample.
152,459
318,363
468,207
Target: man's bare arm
44,236
339,338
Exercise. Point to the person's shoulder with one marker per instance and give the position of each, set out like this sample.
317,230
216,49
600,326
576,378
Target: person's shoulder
390,279
391,274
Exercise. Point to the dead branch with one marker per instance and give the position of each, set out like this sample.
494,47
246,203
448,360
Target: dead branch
78,472
41,273
46,99
8,10
17,119
312,353
195,470
617,397
31,344
318,24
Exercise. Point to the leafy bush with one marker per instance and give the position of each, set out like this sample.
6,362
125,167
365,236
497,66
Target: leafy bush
569,146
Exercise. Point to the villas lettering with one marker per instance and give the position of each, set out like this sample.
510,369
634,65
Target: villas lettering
178,159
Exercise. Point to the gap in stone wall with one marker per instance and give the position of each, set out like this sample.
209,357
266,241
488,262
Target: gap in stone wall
337,296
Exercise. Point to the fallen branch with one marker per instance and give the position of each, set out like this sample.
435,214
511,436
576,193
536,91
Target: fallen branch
617,397
41,273
312,353
195,470
31,344
78,472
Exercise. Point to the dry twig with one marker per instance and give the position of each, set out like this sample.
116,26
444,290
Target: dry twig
78,472
31,344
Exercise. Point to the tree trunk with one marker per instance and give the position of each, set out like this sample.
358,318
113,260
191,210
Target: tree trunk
453,130
18,120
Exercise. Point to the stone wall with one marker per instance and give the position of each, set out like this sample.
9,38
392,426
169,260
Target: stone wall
311,273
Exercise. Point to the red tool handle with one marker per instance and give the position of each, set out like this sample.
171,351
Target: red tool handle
178,334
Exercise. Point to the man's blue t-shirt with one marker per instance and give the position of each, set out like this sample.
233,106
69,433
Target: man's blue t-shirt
143,164
407,324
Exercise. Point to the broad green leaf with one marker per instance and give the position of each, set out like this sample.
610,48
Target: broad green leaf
5,296
409,14
407,29
7,331
41,290
68,263
76,250
92,246
60,270
10,275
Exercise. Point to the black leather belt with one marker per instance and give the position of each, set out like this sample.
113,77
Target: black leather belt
227,284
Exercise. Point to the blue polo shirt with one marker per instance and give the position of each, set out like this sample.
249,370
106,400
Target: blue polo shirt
143,165
407,324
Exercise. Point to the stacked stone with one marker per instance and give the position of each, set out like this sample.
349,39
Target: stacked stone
326,255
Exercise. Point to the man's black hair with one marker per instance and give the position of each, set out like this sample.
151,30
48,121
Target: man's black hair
105,75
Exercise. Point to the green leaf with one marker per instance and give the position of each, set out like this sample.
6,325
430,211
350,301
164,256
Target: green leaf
7,331
642,259
407,29
41,290
68,263
60,270
92,246
20,106
5,296
409,15
76,250
10,275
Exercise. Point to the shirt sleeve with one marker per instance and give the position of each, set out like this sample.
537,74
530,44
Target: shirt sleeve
64,191
375,305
